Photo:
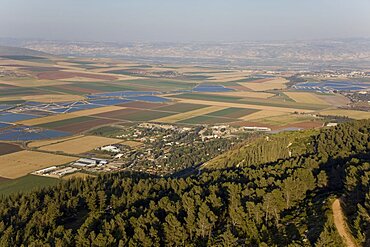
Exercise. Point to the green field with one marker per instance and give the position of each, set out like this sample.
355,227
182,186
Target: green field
181,107
26,184
233,112
106,131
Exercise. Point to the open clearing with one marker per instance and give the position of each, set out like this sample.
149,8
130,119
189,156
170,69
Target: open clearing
60,117
80,145
21,163
278,83
347,113
308,98
190,114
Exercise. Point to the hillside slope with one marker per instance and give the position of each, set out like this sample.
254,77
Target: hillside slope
18,51
283,202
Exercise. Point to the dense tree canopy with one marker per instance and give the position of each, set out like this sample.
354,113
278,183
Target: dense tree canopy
271,193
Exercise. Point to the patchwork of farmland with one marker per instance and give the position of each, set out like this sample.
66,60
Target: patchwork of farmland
49,105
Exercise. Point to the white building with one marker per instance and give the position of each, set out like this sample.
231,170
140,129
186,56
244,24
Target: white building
110,148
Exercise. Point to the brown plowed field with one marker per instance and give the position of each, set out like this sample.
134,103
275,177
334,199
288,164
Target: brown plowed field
4,179
7,148
81,127
120,114
307,125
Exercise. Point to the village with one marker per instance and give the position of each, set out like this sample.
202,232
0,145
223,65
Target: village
157,149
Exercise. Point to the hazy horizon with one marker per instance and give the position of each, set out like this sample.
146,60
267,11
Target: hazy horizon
188,21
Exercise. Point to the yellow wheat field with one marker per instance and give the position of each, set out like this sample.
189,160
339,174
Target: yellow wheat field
278,83
34,83
308,98
262,114
21,163
347,113
80,145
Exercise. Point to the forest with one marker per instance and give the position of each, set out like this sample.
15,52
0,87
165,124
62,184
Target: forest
272,191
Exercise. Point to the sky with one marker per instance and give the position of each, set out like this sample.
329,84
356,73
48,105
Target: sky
184,20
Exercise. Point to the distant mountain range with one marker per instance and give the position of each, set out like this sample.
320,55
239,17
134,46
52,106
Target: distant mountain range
295,54
18,51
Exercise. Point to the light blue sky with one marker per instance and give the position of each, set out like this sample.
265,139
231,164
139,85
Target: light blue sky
184,20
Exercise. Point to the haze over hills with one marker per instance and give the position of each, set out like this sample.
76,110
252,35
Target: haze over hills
18,51
304,54
185,123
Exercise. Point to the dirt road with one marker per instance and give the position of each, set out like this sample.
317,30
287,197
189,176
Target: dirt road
341,224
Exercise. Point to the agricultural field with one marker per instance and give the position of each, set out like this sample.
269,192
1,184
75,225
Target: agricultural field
18,164
307,98
347,113
189,114
8,148
79,145
54,110
25,184
266,85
